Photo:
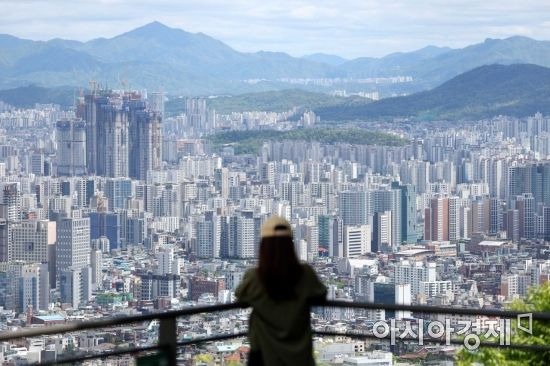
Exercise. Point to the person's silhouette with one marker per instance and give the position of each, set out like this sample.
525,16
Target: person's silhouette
280,291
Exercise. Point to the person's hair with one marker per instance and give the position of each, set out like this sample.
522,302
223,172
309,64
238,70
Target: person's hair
278,269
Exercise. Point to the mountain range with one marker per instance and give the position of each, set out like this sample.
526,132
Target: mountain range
158,57
486,91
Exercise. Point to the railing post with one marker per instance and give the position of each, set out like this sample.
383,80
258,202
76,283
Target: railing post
168,338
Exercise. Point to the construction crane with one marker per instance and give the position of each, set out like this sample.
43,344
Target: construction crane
123,83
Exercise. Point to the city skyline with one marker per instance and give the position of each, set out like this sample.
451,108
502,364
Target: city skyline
366,29
138,175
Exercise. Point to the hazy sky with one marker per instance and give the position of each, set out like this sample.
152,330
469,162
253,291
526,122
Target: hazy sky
346,28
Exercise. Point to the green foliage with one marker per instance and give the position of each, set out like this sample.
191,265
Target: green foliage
538,299
233,363
28,96
517,90
249,142
271,101
203,359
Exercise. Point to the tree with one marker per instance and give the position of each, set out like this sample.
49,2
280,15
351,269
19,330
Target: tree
204,359
538,299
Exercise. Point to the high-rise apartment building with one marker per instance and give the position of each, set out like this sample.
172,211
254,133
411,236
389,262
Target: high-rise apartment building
71,147
197,114
205,239
118,191
382,232
353,207
407,272
525,204
145,143
5,235
106,135
73,243
481,219
123,137
408,212
436,220
246,241
454,218
156,102
10,195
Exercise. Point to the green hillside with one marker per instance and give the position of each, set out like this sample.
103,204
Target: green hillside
28,96
249,142
516,90
273,101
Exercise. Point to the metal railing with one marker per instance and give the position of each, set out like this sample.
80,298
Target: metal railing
168,341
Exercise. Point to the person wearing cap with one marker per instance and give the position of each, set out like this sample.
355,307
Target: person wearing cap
280,291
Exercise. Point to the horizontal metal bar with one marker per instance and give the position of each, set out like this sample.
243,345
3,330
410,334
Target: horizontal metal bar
434,309
109,322
74,359
70,360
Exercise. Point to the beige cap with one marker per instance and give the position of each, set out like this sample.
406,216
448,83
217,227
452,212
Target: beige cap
276,226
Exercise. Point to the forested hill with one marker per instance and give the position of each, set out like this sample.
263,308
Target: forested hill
486,91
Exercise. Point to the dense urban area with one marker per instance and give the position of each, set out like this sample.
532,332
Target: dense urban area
111,208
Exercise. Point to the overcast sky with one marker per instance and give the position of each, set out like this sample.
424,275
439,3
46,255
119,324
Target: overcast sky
346,28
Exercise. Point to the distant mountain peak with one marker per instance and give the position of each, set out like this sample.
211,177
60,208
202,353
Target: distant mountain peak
154,25
153,29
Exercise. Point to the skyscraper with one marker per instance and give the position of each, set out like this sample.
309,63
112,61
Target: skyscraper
408,212
246,244
196,112
526,211
353,207
123,137
481,215
436,220
31,240
205,239
156,102
145,143
118,190
382,231
10,195
106,135
73,243
71,147
382,200
454,219
324,223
